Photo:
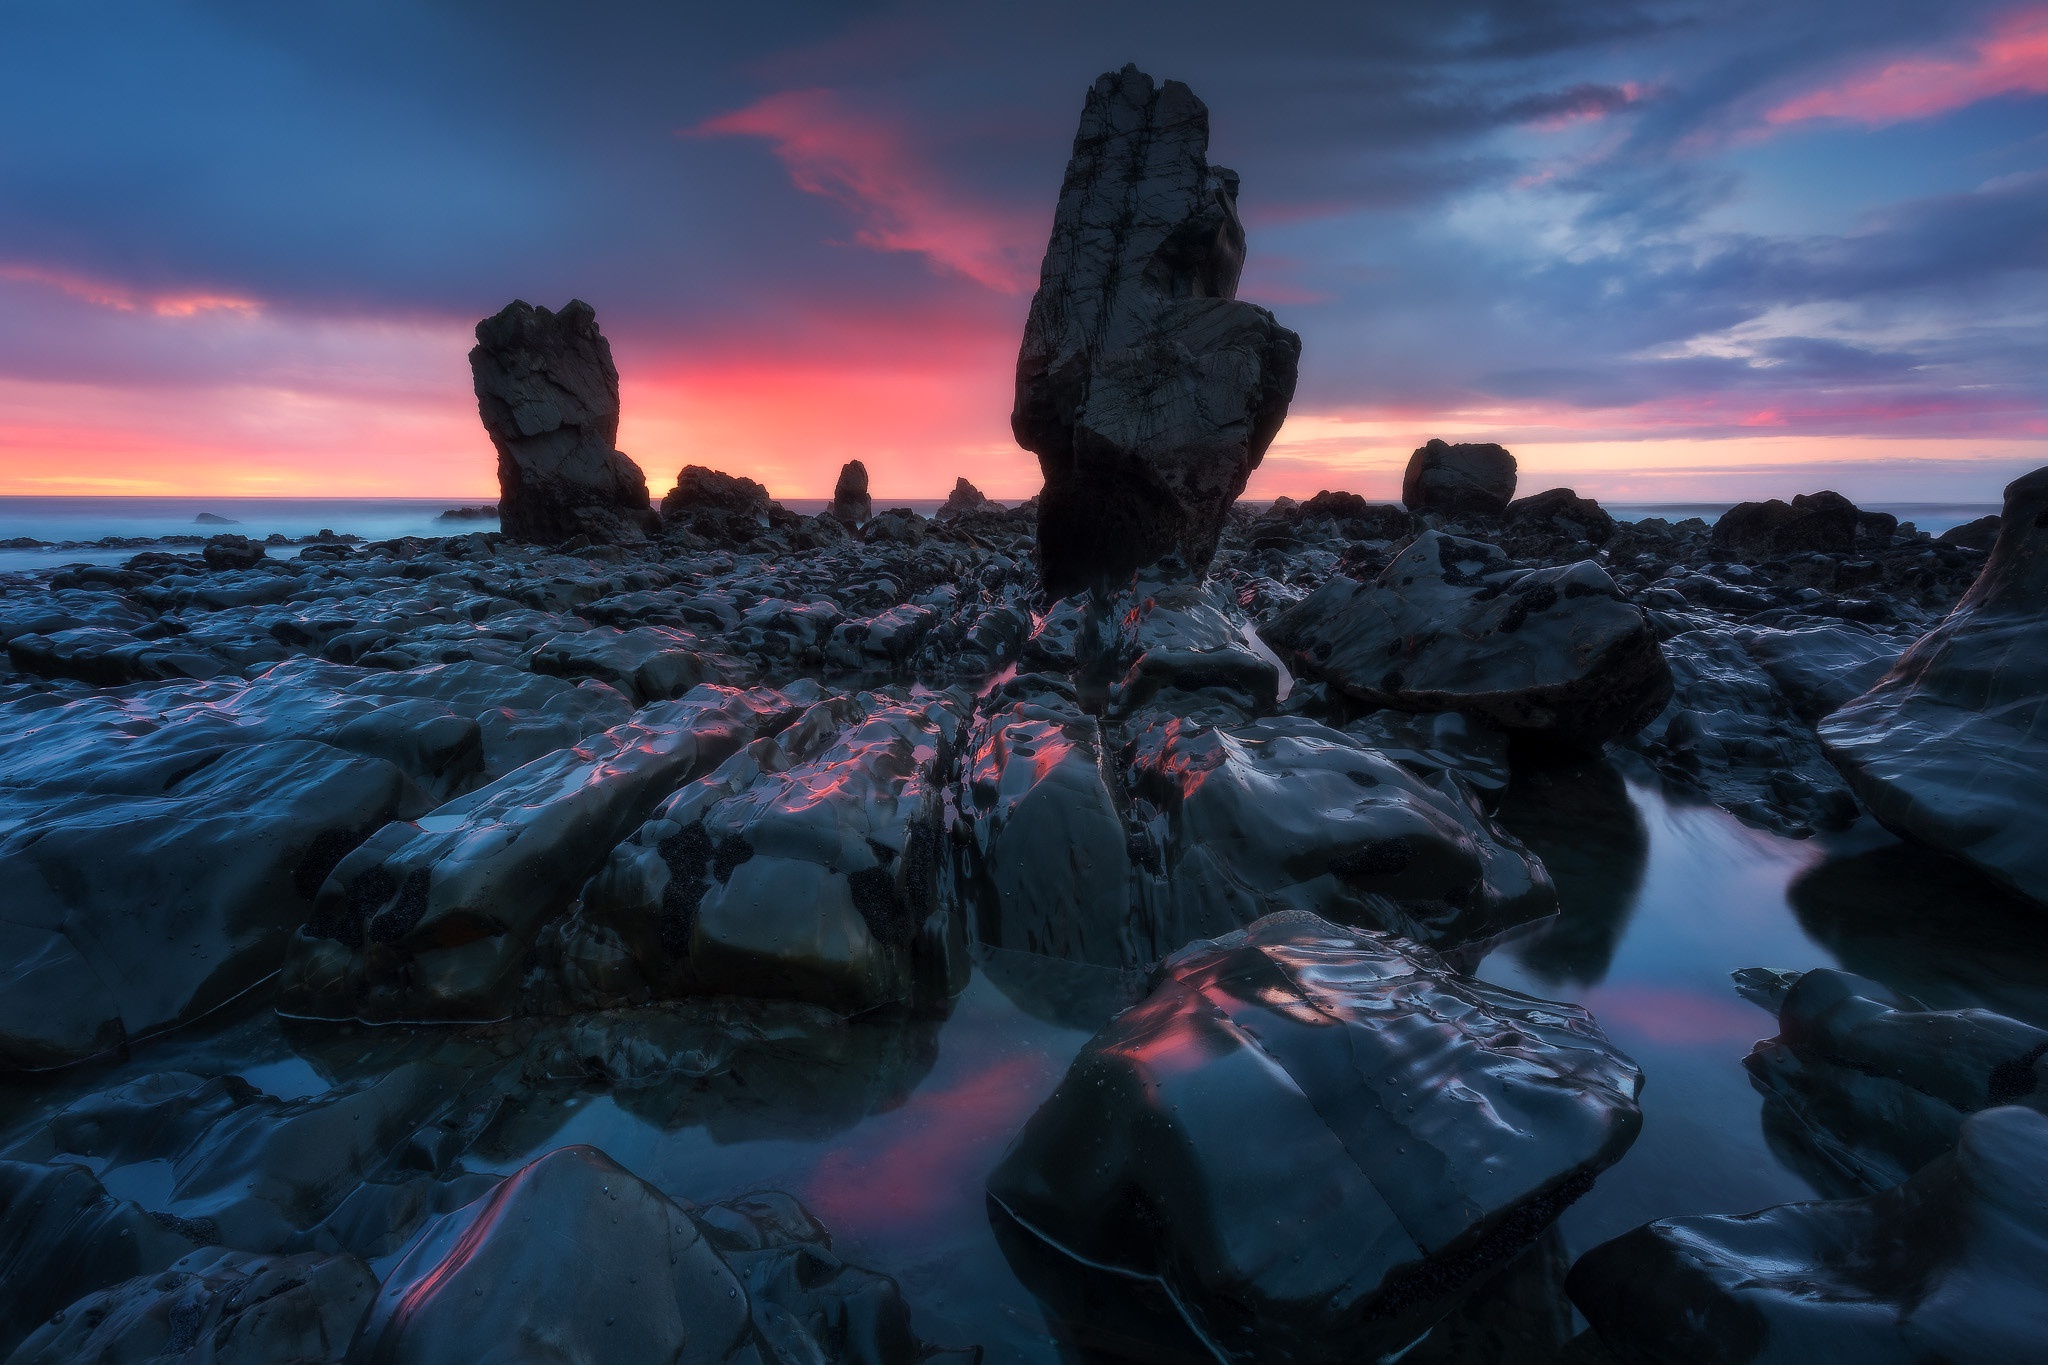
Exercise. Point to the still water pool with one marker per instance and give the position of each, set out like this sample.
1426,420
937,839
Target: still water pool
888,1127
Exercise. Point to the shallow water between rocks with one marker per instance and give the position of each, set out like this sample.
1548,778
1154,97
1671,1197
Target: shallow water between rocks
889,1138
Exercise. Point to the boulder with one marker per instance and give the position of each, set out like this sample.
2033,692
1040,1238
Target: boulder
1463,480
1561,514
432,919
1818,668
576,1252
1950,748
1980,534
1359,518
725,507
215,1307
1148,392
646,663
850,501
1451,626
1824,522
232,552
1950,1266
964,500
1869,1085
548,393
1306,1144
804,868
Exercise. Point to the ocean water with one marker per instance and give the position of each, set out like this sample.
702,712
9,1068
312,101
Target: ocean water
68,521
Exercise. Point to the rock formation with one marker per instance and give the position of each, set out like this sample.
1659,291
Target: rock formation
850,500
1307,1142
1951,746
549,396
964,500
1464,480
1147,391
1450,626
707,490
1951,1266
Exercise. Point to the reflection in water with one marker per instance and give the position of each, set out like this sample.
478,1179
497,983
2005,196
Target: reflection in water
1928,926
1575,813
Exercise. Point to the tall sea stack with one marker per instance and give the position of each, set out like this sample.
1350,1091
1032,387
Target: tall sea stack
548,392
1147,391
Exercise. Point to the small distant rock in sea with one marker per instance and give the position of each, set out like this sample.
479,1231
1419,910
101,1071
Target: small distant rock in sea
214,519
488,512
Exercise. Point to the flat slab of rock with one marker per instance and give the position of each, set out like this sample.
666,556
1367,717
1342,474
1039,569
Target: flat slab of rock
1951,1266
1451,626
1147,391
548,393
1307,1142
1950,748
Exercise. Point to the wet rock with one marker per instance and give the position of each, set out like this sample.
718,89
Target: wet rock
225,552
1307,1143
1949,1266
964,501
850,501
1049,850
431,919
548,393
1870,1084
1470,749
804,868
1818,668
1147,391
1463,480
1729,733
217,1306
645,663
63,1236
164,891
1951,746
520,716
625,1273
1239,821
233,1166
880,643
1450,625
1177,641
1980,534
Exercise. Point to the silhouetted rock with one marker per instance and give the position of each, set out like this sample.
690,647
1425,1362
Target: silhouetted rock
486,512
850,500
964,500
726,508
1951,746
1309,1142
1450,626
1463,480
232,552
1561,514
1980,534
1147,391
548,393
214,519
1951,1266
575,1251
1825,522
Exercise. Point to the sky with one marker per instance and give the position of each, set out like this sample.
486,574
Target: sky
1664,250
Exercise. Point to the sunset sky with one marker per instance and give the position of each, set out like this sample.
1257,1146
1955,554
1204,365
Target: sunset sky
1663,251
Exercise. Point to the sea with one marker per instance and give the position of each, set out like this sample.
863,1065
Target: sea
107,530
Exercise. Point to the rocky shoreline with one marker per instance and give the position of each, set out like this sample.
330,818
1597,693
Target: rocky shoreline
621,793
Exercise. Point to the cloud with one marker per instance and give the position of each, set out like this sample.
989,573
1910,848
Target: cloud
866,164
2012,59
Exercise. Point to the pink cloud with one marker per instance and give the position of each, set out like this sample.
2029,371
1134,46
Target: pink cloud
2011,60
126,300
866,164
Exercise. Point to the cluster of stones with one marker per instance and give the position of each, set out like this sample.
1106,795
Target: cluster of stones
614,794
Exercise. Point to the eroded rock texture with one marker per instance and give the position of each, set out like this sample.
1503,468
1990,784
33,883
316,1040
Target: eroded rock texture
549,396
1306,1144
1147,391
1451,625
1951,1266
1951,746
